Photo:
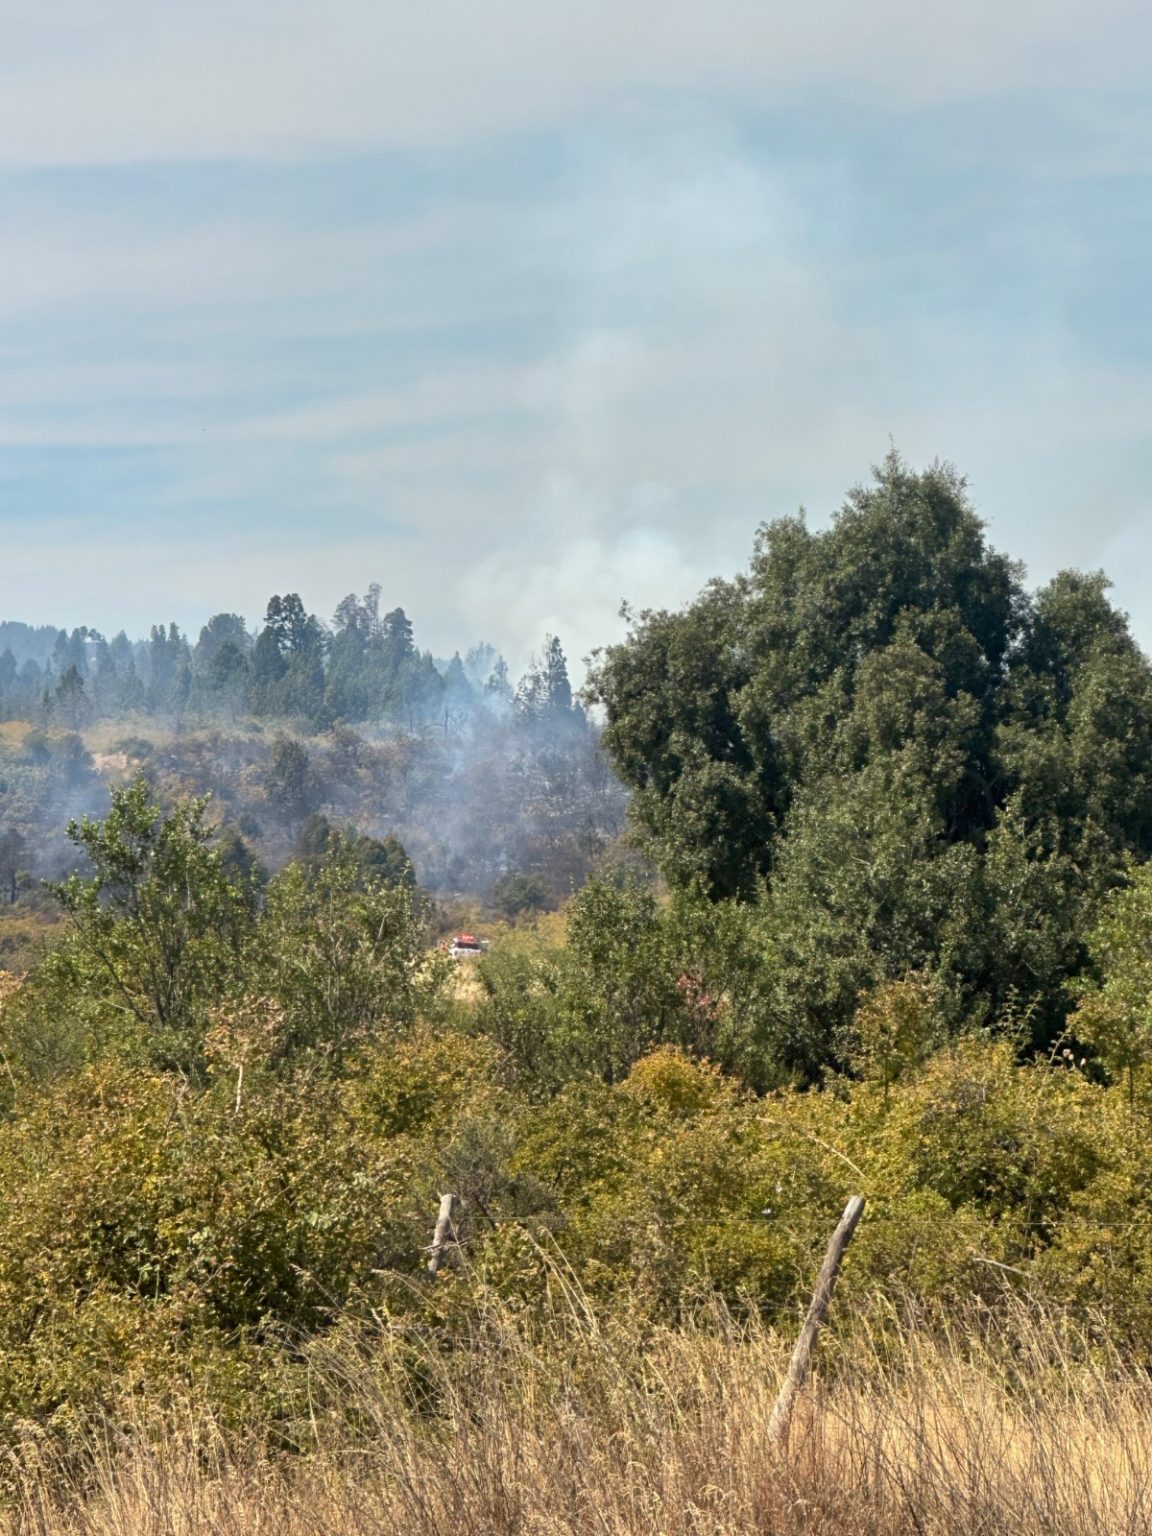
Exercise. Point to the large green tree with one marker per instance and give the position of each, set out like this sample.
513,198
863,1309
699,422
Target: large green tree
912,763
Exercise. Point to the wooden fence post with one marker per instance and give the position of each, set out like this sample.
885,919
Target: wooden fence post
445,1234
821,1297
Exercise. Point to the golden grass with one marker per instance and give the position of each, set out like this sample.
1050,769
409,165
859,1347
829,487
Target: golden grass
583,1431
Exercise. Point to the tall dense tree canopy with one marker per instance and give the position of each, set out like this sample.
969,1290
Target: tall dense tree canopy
922,766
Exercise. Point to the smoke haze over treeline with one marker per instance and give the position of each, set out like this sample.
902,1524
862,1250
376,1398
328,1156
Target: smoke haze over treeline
492,785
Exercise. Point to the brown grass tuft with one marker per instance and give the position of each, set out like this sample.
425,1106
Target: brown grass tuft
581,1430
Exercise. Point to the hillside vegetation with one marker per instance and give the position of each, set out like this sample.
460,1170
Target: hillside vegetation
902,947
499,795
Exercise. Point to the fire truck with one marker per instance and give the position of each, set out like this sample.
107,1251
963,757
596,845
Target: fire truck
466,946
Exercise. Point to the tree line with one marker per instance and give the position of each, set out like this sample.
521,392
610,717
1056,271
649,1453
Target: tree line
364,667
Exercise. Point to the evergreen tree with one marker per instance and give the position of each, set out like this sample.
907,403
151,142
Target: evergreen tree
169,670
921,766
497,687
69,703
291,785
544,694
287,670
221,629
557,689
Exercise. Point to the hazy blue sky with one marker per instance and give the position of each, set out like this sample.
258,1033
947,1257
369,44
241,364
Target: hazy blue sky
520,308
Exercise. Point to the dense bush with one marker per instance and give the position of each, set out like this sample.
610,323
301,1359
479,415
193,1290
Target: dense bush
229,1114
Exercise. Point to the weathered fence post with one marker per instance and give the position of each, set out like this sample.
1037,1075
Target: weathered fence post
445,1234
821,1297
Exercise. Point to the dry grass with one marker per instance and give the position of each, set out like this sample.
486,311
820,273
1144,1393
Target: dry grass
583,1431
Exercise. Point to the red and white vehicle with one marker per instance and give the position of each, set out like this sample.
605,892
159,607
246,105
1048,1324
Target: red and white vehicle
466,946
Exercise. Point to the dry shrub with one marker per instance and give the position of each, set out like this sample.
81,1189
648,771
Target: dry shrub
1018,1427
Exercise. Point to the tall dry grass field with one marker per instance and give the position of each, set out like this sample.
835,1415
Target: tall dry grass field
583,1428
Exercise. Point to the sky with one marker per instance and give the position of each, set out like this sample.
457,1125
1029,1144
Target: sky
523,308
